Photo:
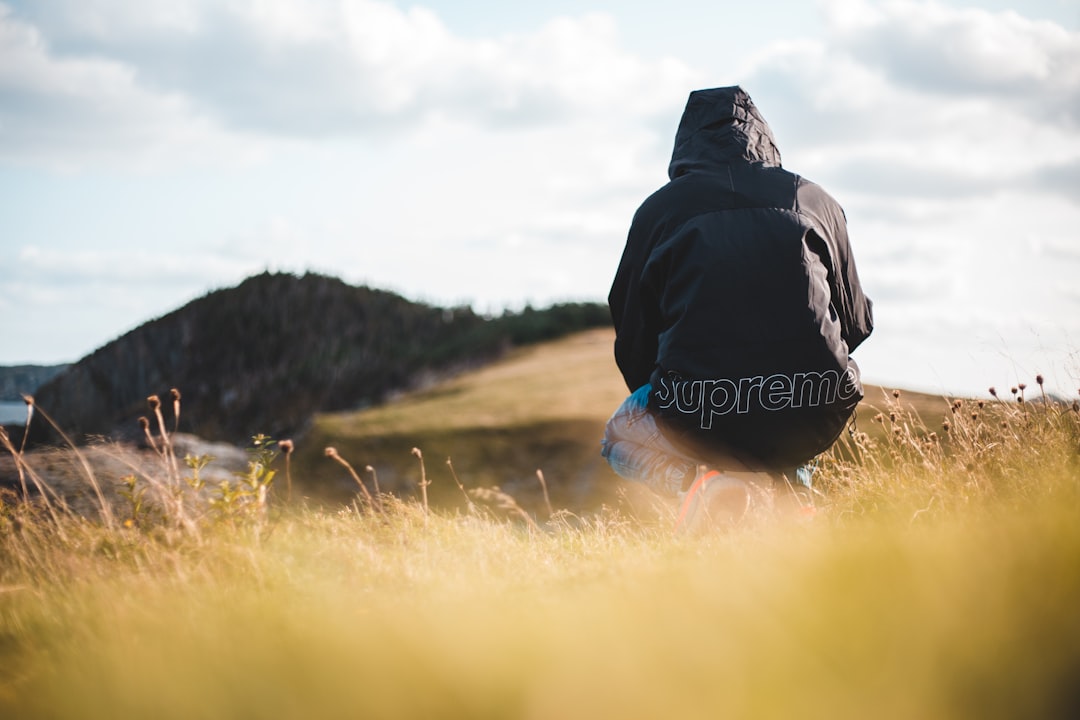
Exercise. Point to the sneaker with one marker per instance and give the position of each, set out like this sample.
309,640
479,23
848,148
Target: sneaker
713,500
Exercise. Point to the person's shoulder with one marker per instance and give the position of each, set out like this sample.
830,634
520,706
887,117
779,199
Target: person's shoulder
661,201
812,201
810,196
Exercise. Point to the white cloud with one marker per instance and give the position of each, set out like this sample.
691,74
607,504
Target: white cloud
297,68
916,100
66,111
59,305
1033,67
132,267
978,296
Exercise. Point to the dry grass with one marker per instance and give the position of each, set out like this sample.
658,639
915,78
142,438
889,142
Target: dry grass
574,378
937,580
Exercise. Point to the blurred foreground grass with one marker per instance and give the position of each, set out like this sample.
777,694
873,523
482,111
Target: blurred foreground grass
967,615
940,578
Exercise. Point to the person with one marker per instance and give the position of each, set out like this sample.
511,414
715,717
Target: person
736,307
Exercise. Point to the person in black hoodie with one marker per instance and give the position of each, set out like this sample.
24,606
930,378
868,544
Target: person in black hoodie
736,307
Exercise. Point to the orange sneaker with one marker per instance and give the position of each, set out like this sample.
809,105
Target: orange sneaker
713,500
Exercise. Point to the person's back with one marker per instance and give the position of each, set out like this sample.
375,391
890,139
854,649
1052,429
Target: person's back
737,301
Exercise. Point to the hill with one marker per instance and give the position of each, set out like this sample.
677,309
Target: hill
264,356
19,380
542,407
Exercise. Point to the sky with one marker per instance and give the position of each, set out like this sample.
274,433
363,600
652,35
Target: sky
492,154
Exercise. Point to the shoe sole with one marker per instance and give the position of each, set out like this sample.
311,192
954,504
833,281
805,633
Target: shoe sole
718,500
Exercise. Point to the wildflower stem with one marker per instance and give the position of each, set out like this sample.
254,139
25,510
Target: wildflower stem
423,479
333,454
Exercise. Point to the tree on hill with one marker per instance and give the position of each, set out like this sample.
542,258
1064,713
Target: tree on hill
264,356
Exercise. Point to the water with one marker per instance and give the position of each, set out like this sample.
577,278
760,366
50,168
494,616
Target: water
12,412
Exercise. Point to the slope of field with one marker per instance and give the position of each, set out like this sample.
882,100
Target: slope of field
542,407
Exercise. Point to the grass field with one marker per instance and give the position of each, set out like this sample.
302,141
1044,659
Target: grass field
938,578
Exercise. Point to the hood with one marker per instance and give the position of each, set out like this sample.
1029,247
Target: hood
718,126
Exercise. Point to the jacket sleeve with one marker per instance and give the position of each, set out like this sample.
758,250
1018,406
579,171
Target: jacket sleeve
860,321
634,313
831,242
854,309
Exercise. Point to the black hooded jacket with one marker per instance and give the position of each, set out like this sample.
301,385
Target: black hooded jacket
737,295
